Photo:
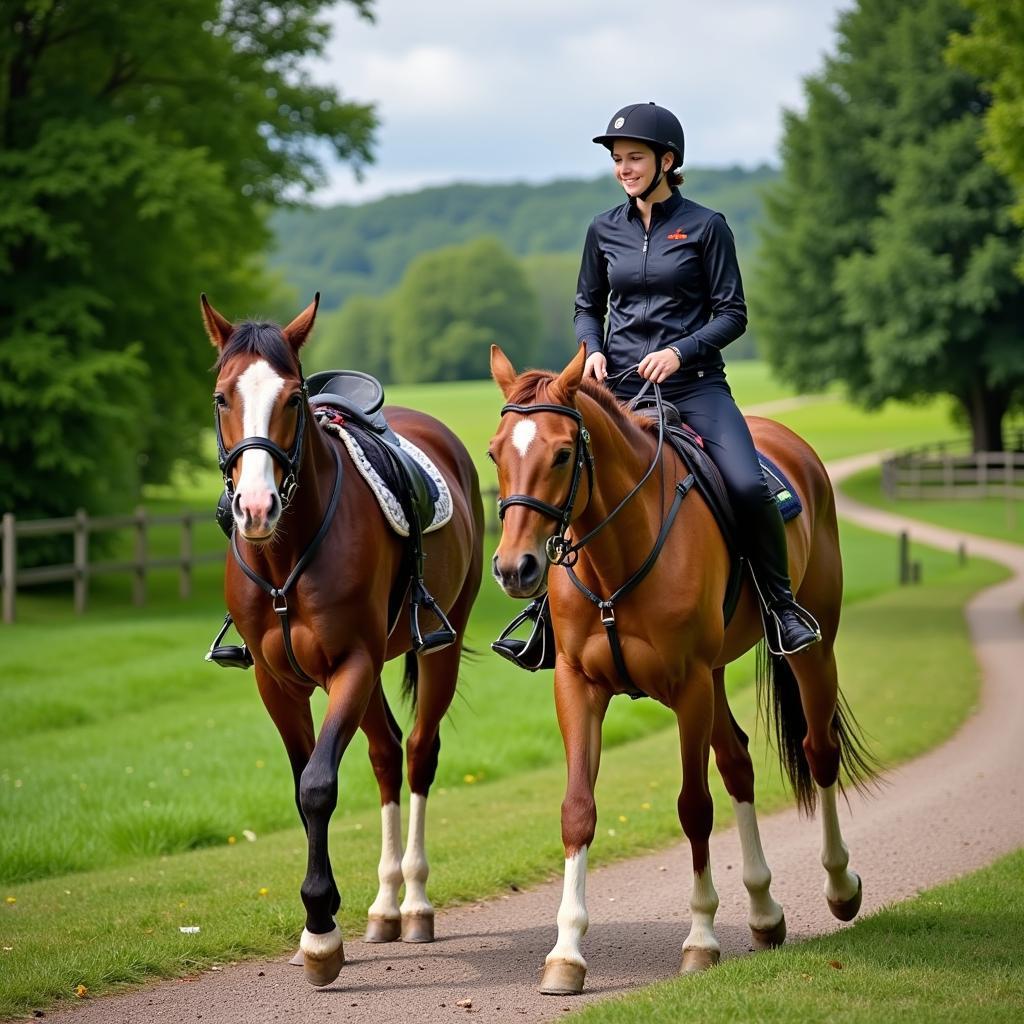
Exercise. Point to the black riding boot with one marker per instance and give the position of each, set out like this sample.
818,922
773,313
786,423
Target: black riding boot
788,628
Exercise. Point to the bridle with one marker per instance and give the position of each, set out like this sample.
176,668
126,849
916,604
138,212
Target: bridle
558,548
289,461
561,551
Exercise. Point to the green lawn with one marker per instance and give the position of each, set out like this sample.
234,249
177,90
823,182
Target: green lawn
949,956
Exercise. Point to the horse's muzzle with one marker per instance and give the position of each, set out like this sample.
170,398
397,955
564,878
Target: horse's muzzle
525,578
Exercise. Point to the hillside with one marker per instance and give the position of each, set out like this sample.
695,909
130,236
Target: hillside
347,250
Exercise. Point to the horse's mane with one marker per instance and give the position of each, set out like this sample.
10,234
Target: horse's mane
533,386
259,338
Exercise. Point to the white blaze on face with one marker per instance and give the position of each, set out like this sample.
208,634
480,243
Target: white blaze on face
258,389
523,434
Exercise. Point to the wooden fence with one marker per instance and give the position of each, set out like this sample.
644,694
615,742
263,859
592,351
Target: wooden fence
81,568
951,470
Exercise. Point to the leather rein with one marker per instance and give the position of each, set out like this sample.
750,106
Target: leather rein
289,461
561,551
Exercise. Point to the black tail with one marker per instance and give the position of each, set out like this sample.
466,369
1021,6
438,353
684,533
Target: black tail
784,716
410,678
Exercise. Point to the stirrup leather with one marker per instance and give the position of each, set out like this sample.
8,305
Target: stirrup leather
537,651
228,655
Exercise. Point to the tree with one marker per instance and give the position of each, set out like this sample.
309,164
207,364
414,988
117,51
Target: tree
357,337
452,304
141,146
887,255
994,51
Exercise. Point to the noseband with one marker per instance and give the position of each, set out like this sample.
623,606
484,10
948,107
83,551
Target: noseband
558,548
288,461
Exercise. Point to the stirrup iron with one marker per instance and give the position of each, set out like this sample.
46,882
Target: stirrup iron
439,638
228,655
537,651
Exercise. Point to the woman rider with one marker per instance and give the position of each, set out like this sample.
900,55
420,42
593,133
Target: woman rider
663,269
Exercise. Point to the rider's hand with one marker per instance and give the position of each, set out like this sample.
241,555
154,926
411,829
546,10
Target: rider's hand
596,366
659,365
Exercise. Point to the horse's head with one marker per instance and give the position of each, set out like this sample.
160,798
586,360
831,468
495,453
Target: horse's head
541,450
260,410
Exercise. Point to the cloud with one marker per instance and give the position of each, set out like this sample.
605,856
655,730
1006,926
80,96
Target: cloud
515,90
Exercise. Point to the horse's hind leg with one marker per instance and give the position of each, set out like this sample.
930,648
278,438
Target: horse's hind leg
729,741
384,921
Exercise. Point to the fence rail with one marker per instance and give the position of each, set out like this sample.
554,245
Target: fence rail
81,568
951,470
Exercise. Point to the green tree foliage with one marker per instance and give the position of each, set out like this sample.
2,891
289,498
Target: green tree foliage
994,50
553,278
888,249
352,250
141,145
453,304
359,336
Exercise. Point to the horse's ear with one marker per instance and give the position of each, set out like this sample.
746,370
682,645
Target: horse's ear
219,328
569,380
298,330
502,371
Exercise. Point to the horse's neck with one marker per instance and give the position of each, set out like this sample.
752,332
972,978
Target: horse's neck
623,452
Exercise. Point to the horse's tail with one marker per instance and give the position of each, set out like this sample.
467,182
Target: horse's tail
784,715
410,678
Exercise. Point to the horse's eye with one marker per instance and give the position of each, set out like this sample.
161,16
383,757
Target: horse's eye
293,402
562,457
220,401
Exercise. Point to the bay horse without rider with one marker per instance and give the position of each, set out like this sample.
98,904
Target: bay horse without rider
314,571
630,618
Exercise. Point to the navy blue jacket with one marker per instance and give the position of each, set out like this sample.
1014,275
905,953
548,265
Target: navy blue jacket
677,284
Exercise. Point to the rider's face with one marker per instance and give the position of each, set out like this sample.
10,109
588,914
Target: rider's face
634,165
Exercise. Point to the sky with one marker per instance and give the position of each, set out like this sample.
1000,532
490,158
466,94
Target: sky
514,90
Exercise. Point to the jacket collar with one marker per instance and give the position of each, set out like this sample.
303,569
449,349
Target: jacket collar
658,210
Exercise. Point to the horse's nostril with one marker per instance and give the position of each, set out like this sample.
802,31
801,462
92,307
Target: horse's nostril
529,570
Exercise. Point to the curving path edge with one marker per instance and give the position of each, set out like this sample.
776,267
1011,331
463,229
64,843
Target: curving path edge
949,812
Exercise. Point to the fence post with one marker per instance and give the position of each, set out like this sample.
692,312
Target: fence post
185,579
10,563
904,557
139,582
81,560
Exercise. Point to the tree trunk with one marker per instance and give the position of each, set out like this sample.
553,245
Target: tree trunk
985,408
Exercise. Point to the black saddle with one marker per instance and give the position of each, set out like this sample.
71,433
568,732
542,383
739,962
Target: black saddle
358,398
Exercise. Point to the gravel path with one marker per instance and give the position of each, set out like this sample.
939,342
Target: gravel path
949,812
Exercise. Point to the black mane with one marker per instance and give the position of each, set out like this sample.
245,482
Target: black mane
262,339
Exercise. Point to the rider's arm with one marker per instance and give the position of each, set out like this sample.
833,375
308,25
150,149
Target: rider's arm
591,295
725,293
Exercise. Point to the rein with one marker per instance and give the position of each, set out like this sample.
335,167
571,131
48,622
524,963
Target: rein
561,551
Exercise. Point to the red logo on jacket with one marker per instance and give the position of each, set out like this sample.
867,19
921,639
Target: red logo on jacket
677,235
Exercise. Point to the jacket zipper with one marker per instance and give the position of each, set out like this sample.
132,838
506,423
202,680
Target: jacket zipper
647,297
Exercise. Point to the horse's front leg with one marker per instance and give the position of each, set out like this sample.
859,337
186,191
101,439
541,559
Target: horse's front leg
349,691
581,709
695,708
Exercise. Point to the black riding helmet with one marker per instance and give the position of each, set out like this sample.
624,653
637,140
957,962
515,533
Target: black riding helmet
647,122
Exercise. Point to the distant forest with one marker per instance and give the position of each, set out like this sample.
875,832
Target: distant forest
397,256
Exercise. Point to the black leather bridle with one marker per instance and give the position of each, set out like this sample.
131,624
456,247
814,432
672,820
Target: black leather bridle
289,461
557,547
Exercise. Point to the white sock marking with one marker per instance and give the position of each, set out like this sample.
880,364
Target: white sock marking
572,911
841,884
414,864
703,905
389,870
765,913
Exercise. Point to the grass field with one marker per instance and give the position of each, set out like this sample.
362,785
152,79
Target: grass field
127,764
949,956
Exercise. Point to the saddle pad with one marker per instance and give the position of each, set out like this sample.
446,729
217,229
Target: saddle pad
785,497
389,503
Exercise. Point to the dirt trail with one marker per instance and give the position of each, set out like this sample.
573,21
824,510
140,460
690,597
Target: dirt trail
947,813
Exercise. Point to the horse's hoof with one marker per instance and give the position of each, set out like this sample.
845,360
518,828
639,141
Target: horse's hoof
561,978
846,910
322,956
417,927
383,929
696,960
298,960
769,938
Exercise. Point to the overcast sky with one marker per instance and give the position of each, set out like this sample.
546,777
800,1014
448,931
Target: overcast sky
514,90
